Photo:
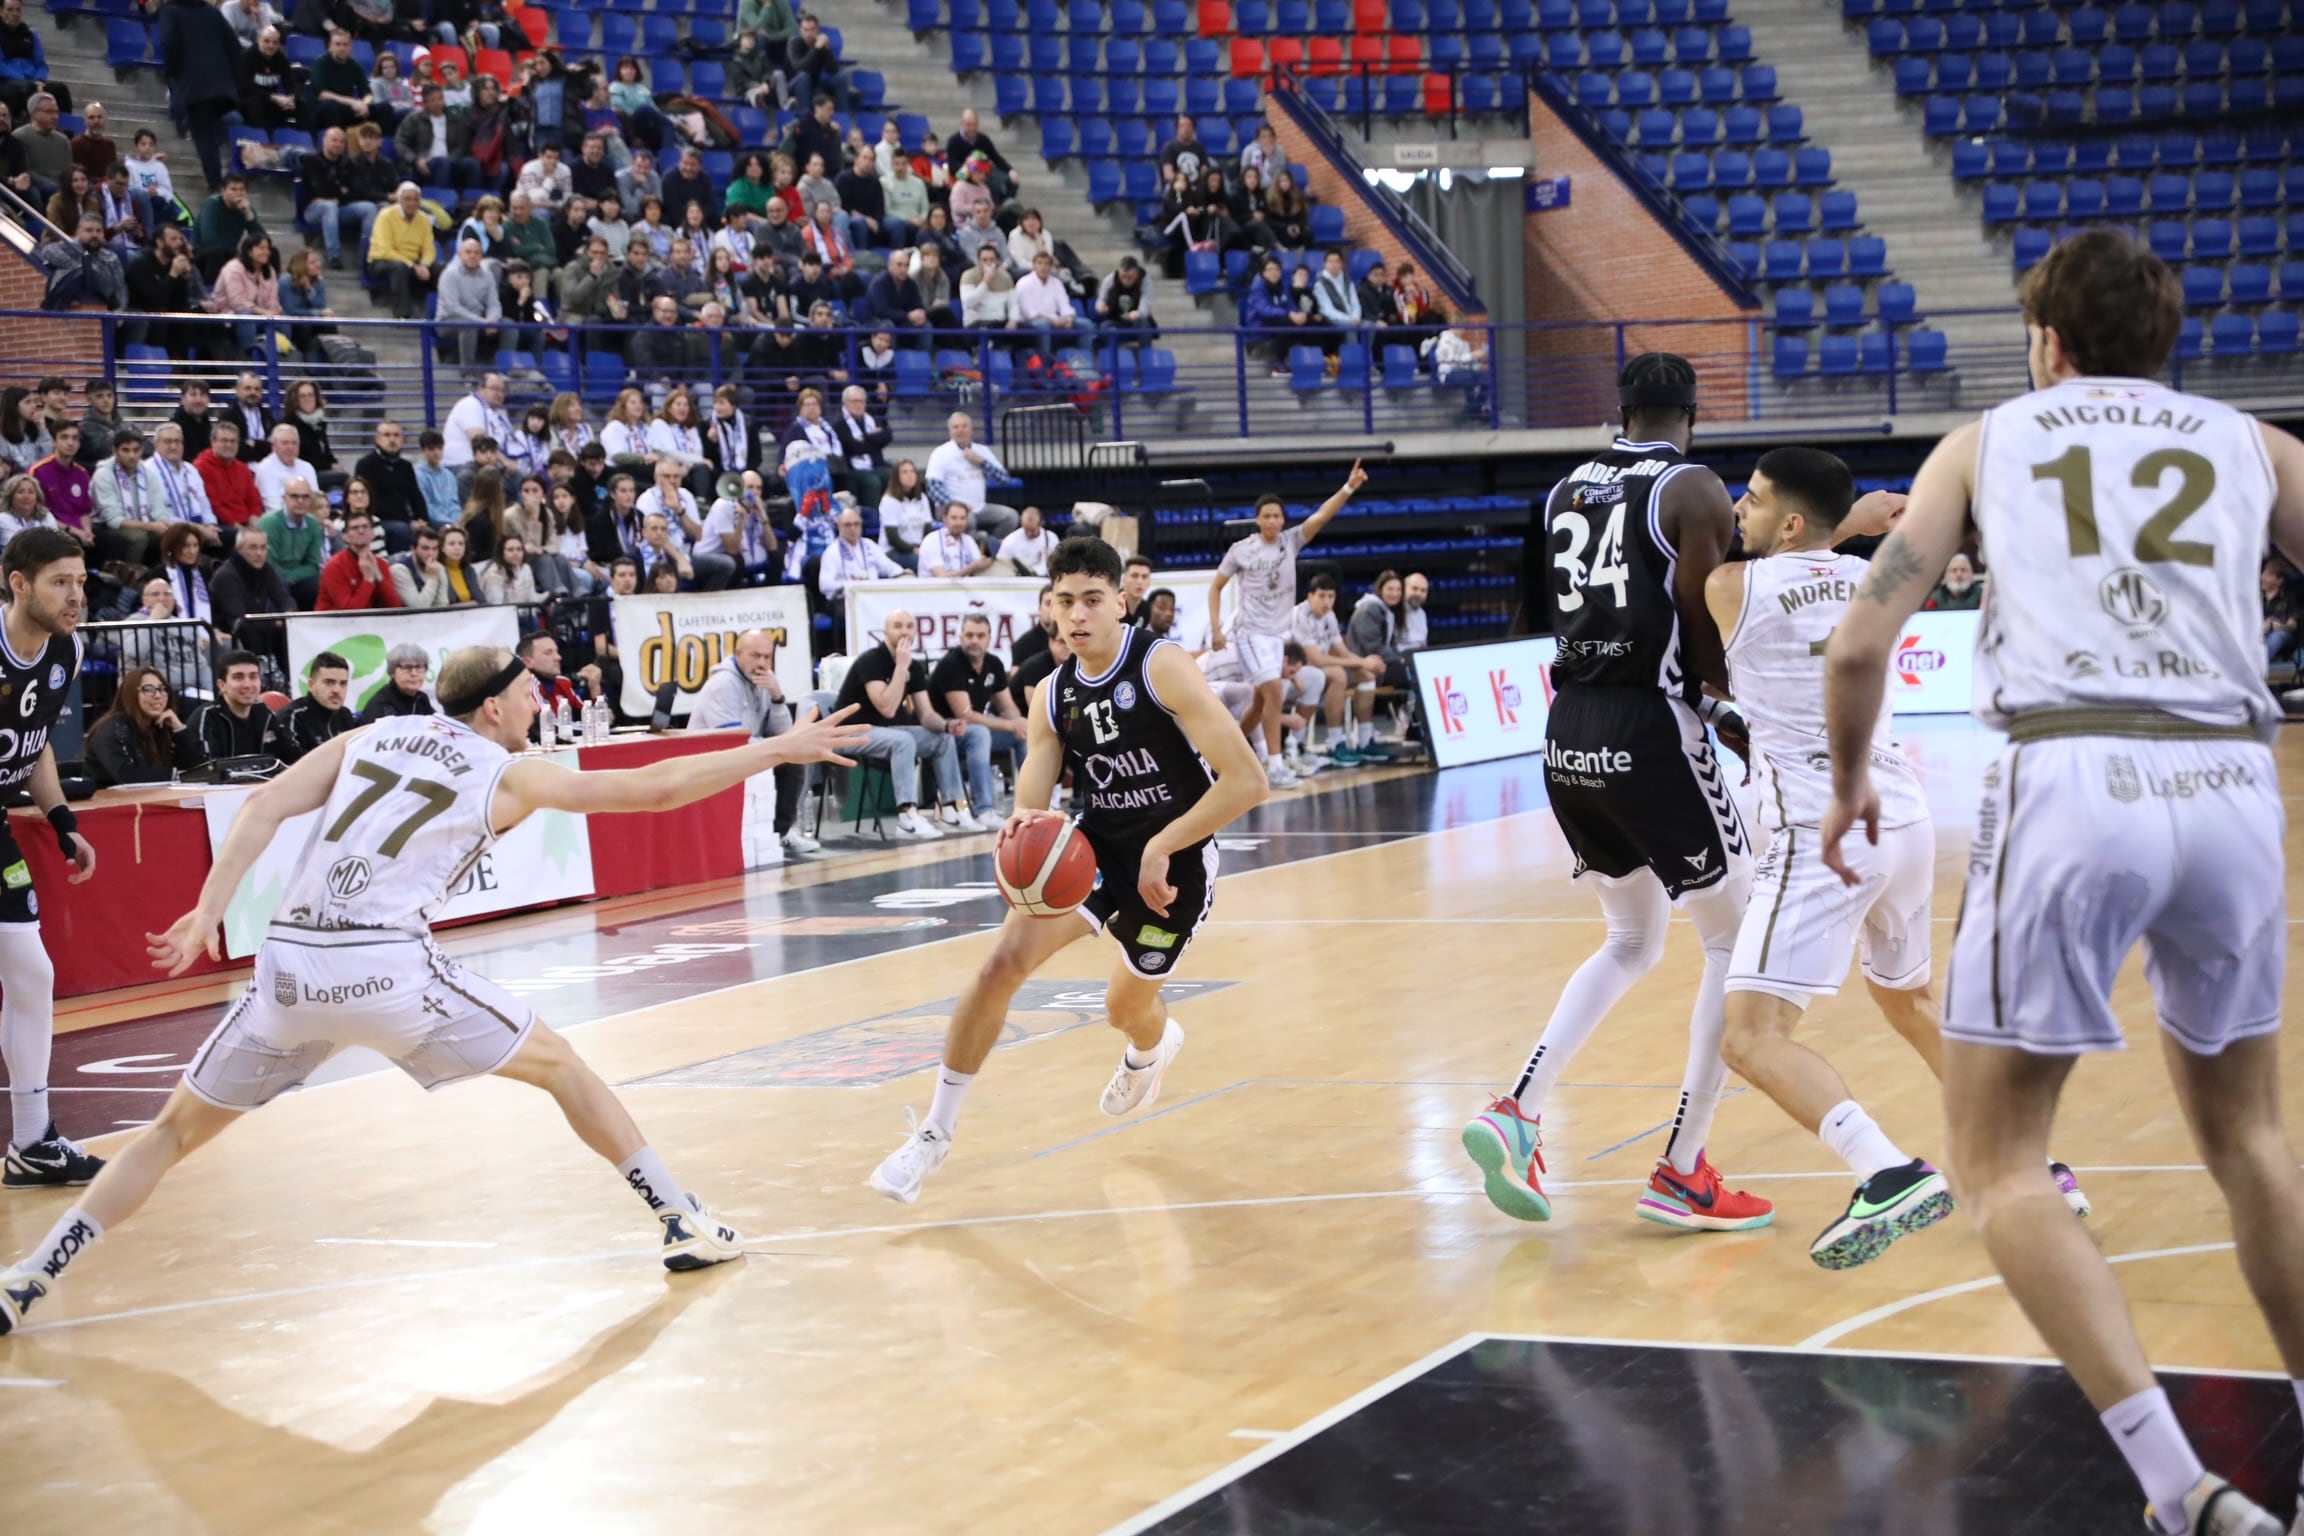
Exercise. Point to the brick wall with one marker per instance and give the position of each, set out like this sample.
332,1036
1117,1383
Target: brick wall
1605,257
1362,227
69,346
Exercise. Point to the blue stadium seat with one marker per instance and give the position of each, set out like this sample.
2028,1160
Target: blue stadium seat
2203,286
1203,272
1980,114
2169,241
2116,64
2232,335
2189,337
1789,357
1771,169
1757,82
1899,305
1731,168
1676,87
2276,331
1747,215
1924,351
1875,352
1742,125
1717,85
2043,201
1327,224
1836,356
1843,305
1795,309
2212,192
1837,212
1940,117
1867,256
1400,370
2031,246
1700,126
2001,203
1781,261
2123,197
1691,173
1954,72
2259,236
1795,214
2211,239
2083,198
2171,194
1827,259
2251,282
1307,368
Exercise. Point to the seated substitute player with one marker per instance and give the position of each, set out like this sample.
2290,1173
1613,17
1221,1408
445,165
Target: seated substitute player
1776,610
406,807
1331,671
44,573
1161,768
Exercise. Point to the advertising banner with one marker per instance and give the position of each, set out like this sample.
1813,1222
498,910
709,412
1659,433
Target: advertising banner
680,637
1012,603
363,637
546,858
1935,668
1485,701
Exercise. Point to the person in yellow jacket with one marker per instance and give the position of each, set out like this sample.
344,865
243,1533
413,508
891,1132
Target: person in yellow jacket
401,252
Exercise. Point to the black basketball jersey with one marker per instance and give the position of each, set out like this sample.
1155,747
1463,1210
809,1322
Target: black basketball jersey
32,695
1133,768
1611,571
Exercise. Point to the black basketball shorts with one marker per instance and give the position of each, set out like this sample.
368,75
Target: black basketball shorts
1149,942
18,902
1635,784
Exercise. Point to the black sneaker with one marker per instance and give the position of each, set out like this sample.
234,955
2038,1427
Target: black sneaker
1893,1203
49,1163
19,1288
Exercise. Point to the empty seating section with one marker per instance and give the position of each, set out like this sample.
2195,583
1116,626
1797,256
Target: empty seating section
2172,121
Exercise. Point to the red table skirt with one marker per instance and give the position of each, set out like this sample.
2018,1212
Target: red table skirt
152,856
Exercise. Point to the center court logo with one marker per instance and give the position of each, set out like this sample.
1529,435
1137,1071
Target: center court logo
1455,707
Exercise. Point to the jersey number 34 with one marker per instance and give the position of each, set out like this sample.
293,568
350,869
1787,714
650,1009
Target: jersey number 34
1607,568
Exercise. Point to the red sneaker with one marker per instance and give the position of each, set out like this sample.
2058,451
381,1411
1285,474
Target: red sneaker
1699,1202
1509,1150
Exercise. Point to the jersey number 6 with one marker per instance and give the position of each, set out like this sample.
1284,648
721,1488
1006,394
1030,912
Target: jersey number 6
437,799
1607,570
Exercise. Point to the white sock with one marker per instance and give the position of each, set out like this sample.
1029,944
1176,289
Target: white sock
27,1027
944,1108
2145,1429
653,1182
74,1234
1363,733
1139,1060
1637,913
1717,913
28,1107
1850,1135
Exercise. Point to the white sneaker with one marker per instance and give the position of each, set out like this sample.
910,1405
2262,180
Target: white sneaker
696,1239
960,819
1305,767
903,1171
1276,775
910,823
19,1288
2215,1508
1139,1087
797,841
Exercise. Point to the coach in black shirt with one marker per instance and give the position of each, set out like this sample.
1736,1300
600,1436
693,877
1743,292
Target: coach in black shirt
971,686
392,489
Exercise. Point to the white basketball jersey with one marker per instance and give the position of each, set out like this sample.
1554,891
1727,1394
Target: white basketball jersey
405,822
1776,670
2122,523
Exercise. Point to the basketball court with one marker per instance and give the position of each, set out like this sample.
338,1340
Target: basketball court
1278,1303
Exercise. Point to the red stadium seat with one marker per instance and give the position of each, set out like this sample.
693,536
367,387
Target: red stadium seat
1286,52
1215,18
536,26
494,61
1325,55
1436,96
1247,57
1407,54
1371,16
1369,50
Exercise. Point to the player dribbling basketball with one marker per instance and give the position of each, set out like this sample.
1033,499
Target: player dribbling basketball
1159,768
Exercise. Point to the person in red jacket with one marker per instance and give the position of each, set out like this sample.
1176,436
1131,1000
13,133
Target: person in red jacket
232,492
354,576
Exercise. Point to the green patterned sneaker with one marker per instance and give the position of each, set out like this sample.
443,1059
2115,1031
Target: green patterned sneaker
1509,1147
1893,1203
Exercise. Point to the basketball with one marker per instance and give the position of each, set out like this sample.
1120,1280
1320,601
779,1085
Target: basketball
1047,868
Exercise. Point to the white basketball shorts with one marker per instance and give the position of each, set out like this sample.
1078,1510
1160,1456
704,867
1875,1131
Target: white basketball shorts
2085,844
316,993
1260,656
1803,921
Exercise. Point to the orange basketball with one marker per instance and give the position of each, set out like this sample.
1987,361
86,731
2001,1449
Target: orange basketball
1047,868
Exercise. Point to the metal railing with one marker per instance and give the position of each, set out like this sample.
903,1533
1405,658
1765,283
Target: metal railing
1182,386
182,649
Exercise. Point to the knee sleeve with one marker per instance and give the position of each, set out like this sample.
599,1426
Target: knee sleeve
1718,912
1638,914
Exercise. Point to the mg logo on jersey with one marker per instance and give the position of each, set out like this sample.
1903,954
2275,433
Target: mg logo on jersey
347,878
1507,695
1455,705
1912,659
2130,598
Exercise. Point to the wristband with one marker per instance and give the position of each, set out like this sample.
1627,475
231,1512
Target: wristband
1709,709
61,818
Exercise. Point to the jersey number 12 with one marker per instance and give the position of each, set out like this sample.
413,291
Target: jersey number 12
1607,568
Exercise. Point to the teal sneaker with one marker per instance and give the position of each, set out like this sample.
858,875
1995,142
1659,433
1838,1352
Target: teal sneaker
1509,1149
1342,756
1893,1203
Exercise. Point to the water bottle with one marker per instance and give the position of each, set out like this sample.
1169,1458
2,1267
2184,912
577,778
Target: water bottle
544,729
567,725
593,733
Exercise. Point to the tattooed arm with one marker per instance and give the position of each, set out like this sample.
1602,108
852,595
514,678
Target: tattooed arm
1856,668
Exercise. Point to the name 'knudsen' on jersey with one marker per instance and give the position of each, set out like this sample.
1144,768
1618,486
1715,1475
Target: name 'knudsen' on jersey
1612,572
2122,523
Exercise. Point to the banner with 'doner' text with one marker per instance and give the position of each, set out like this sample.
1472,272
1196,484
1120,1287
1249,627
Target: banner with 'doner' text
680,637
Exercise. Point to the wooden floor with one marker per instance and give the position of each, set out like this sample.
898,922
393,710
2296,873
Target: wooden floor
369,1310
